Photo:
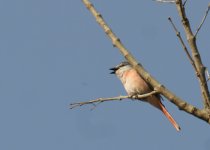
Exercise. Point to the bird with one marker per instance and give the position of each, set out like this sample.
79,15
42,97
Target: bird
134,84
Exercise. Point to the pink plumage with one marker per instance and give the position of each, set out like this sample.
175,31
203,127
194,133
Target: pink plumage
135,84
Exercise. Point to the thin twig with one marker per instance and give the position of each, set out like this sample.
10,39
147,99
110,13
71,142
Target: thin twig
203,20
165,1
183,44
118,98
184,3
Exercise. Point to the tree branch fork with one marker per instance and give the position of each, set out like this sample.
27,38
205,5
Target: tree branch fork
194,58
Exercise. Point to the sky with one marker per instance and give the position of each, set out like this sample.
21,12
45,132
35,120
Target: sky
53,53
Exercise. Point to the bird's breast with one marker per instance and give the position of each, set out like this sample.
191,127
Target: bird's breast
134,84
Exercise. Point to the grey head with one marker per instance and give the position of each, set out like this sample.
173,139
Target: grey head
119,69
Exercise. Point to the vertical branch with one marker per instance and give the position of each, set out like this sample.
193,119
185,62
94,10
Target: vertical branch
195,54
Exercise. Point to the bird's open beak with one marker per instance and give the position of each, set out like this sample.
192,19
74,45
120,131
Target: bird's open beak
113,70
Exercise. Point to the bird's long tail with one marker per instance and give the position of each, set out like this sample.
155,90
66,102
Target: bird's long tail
170,118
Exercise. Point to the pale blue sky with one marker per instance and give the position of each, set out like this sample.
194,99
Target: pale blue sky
53,53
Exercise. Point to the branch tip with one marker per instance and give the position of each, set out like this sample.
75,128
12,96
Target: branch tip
165,1
203,20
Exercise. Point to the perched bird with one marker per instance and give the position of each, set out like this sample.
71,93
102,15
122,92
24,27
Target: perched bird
134,84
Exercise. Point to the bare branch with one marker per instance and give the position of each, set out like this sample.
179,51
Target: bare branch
195,54
118,98
165,1
183,44
203,20
202,114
